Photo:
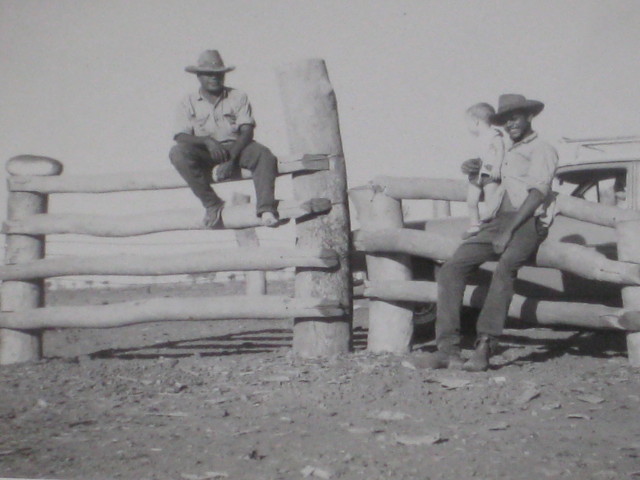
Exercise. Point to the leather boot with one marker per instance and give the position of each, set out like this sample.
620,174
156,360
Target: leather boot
440,360
479,361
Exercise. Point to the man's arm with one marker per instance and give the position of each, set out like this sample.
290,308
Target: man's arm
245,137
216,151
525,212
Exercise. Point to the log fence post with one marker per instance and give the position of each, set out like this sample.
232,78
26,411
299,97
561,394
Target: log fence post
256,281
22,345
311,116
390,323
629,251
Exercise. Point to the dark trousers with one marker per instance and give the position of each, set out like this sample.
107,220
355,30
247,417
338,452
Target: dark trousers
194,163
475,251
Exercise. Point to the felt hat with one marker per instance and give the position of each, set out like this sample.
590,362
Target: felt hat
209,61
511,102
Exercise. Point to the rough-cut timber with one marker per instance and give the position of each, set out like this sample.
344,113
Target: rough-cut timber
455,190
213,260
311,116
390,323
15,345
131,181
540,312
255,280
577,259
233,216
170,309
629,250
422,188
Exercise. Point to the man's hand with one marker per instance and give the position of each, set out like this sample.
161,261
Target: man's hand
226,170
471,166
216,150
501,242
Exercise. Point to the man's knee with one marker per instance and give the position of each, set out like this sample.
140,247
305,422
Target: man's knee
449,271
256,154
179,154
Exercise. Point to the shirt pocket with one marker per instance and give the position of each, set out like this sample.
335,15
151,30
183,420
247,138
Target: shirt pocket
201,120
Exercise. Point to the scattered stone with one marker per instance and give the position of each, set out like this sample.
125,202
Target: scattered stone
419,440
529,393
581,416
453,383
499,426
499,380
551,406
316,472
388,415
408,365
593,399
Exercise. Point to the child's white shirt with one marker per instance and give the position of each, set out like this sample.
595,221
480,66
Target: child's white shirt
491,152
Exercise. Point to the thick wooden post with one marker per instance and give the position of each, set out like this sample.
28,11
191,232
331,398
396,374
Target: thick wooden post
390,323
629,251
21,345
311,115
441,208
256,281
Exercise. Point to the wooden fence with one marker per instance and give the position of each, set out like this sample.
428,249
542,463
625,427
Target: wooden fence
321,307
389,244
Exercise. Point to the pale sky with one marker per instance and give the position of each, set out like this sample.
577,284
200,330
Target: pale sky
95,83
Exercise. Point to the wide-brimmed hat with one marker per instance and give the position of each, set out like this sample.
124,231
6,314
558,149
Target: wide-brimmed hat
209,61
512,102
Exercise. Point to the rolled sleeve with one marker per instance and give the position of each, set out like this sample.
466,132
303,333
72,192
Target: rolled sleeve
544,162
183,115
244,115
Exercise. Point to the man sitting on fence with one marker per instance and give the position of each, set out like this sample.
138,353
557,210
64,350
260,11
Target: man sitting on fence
518,225
214,135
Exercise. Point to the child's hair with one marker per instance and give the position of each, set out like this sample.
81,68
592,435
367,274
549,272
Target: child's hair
481,111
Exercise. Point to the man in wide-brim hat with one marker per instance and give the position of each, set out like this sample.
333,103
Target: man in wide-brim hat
214,138
518,223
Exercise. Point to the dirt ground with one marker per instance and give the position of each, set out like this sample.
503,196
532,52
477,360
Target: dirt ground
227,400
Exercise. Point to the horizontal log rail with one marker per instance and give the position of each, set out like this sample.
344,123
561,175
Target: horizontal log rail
455,190
152,180
233,216
539,312
170,309
213,260
576,259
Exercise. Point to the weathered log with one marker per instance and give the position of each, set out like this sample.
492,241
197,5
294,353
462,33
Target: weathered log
577,259
407,188
239,216
539,312
213,260
455,190
256,280
311,116
132,181
390,323
170,309
592,212
629,250
18,346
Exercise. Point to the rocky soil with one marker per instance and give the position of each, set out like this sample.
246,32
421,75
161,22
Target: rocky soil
227,400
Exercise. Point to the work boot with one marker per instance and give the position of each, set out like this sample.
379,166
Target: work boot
439,360
479,361
213,216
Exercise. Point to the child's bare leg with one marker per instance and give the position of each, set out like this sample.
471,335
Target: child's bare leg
473,200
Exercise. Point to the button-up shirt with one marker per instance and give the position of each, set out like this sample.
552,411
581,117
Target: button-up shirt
221,120
529,164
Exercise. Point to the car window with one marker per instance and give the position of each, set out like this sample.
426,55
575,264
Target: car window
607,186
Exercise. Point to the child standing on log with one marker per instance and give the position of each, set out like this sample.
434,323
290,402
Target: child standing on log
491,153
214,138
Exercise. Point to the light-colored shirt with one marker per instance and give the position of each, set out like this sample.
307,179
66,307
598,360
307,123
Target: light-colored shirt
198,116
491,152
529,164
